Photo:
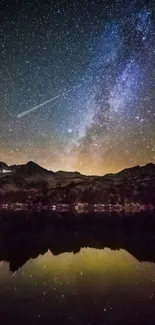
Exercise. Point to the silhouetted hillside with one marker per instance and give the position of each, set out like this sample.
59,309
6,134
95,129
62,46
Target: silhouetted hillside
18,182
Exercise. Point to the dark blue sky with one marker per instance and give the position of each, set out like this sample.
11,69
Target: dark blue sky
103,53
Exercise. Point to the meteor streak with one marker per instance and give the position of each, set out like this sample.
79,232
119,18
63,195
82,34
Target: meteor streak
46,102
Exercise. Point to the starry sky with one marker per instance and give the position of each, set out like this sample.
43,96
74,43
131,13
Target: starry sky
93,65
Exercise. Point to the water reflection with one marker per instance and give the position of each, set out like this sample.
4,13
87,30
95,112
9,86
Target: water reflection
56,276
93,286
19,247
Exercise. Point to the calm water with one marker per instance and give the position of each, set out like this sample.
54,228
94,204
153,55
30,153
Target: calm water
93,286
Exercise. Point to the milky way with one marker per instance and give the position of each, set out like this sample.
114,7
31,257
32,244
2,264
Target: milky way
92,64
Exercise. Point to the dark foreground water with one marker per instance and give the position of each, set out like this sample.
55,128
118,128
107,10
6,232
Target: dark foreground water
77,277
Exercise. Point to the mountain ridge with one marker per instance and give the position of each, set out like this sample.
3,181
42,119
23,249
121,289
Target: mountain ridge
32,164
135,184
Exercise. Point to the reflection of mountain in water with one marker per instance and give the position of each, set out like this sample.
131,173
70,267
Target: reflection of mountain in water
18,248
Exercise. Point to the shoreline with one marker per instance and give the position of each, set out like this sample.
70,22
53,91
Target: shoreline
78,207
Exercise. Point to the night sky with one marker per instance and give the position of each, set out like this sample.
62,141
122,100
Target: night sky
99,56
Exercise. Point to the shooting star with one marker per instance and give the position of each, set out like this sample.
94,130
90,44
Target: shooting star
46,102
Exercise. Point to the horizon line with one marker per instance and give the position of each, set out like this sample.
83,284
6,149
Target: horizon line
76,171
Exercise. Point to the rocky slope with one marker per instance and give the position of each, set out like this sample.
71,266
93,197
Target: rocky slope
136,184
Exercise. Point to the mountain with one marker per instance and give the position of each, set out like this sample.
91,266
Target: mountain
30,169
3,166
136,184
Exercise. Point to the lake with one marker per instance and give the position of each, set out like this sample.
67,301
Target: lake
77,269
92,286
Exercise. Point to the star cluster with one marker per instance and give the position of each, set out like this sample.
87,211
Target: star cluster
99,56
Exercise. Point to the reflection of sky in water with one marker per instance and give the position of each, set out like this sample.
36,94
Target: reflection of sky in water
93,283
